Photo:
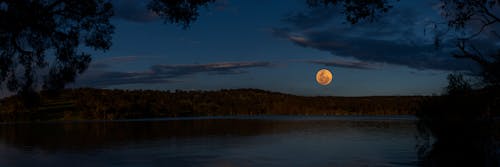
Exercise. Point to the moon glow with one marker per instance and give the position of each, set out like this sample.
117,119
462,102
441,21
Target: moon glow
324,77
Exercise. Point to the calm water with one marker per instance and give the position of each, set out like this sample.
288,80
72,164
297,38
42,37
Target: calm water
216,141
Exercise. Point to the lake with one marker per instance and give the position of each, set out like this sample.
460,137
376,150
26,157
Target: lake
213,141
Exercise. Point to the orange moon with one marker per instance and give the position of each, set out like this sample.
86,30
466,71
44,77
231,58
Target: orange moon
324,77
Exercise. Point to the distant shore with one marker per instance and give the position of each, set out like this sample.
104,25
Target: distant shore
101,104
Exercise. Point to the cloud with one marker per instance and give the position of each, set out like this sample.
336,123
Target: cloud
397,38
108,62
346,64
164,73
413,55
133,10
214,68
110,78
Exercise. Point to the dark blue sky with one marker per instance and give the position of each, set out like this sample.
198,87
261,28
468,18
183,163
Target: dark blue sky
275,45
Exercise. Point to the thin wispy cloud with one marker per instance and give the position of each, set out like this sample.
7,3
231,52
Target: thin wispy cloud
108,62
164,73
213,68
346,64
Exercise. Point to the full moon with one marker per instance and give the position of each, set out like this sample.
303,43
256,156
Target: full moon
324,77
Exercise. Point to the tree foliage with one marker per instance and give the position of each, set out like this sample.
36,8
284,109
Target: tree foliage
462,13
356,10
48,35
120,104
466,19
182,12
46,42
462,120
457,85
470,19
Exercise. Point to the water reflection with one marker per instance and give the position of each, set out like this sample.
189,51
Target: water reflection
210,142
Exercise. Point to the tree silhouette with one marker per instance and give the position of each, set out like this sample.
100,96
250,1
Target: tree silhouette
457,85
466,19
47,41
471,19
459,15
461,120
356,10
178,11
39,35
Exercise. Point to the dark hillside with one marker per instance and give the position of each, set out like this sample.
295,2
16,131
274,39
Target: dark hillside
86,103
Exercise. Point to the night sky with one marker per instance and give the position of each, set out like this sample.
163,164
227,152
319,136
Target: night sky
275,45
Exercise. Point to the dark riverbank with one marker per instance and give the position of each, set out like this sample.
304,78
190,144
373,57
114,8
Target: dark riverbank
100,104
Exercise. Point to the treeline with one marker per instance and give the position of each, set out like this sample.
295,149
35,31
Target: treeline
87,103
464,125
